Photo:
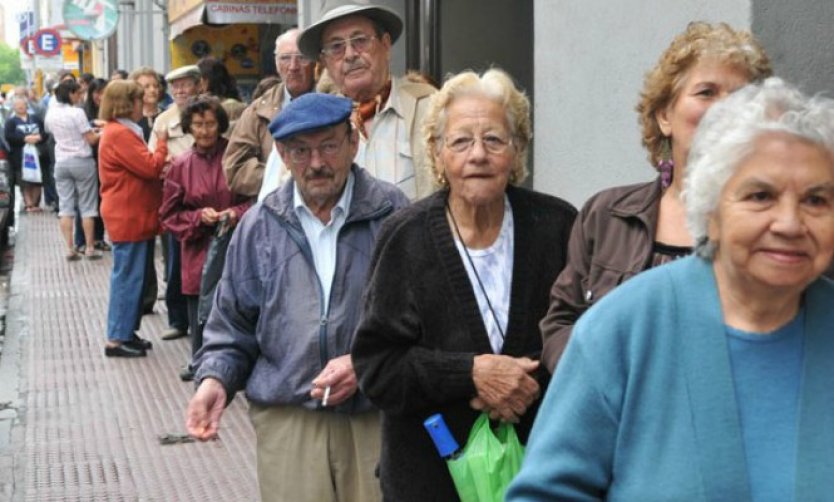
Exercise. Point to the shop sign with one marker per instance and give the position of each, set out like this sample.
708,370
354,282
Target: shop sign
251,11
91,19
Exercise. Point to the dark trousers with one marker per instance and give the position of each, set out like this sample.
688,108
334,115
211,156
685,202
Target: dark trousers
151,287
174,299
50,193
98,231
193,302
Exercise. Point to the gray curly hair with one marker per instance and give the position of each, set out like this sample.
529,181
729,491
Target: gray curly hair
727,135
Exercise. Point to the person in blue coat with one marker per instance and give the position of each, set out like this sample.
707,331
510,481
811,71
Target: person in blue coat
710,378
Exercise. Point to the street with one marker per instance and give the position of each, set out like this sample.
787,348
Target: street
75,425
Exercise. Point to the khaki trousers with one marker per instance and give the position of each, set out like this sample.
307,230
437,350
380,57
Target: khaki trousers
316,456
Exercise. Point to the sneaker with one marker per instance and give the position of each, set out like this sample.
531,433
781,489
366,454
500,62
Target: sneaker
173,334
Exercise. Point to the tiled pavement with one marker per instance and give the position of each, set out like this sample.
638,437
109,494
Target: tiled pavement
86,427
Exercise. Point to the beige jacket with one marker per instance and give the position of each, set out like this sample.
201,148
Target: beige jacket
178,141
250,143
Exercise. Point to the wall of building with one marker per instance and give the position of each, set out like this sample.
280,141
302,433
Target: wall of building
142,37
590,58
799,37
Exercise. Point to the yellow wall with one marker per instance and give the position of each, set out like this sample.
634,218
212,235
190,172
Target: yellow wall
234,44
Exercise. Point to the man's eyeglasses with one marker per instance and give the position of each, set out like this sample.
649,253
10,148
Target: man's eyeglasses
493,143
302,154
359,43
287,59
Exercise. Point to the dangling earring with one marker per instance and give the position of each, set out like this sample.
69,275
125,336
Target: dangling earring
441,179
666,165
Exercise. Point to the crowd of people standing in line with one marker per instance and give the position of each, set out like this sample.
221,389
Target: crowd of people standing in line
386,263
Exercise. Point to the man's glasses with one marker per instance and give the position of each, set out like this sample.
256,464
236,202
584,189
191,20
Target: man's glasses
302,154
287,59
359,43
493,143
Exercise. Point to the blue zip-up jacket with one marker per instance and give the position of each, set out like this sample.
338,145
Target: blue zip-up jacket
268,331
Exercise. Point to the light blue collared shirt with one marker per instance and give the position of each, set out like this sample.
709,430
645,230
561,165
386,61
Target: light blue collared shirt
323,238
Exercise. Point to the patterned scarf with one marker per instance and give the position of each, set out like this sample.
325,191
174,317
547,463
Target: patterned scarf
364,111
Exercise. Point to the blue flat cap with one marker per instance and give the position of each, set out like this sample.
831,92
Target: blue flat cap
309,112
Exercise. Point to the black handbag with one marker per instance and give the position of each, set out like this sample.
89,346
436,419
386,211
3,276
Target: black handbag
213,268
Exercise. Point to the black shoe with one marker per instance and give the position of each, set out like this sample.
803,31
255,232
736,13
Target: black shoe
125,350
140,343
187,373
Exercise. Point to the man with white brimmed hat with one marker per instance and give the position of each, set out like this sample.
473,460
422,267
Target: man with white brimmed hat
354,43
184,83
286,310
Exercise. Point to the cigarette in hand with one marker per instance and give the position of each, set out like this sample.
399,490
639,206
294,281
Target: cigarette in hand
326,395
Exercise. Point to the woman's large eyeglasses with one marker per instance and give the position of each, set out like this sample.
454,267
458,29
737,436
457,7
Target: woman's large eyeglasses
359,43
302,154
492,143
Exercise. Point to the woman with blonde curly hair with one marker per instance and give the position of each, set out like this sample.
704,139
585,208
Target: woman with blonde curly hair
458,283
623,231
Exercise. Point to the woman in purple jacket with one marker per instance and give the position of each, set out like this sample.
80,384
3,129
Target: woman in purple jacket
196,198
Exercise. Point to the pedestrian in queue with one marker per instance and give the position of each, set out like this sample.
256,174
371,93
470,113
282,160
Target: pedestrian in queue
196,199
91,106
353,42
131,193
457,287
217,81
622,231
710,378
250,143
185,84
149,80
75,169
151,83
286,309
23,128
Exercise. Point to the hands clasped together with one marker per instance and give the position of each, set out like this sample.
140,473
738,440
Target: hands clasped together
506,386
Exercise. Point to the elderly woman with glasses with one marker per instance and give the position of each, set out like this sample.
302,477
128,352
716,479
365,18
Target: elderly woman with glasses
458,283
625,230
196,199
710,378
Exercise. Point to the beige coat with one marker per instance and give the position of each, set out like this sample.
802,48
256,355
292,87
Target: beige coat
250,143
178,141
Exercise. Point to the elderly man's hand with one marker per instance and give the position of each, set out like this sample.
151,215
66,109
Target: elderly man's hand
340,377
202,419
505,385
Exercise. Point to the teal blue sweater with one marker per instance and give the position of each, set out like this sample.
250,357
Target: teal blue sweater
642,405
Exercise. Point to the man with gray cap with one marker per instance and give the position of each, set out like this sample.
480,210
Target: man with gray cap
286,310
354,43
250,142
184,83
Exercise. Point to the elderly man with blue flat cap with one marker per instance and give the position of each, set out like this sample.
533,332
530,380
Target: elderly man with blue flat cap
286,310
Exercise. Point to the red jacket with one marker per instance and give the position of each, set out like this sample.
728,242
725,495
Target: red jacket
131,190
194,182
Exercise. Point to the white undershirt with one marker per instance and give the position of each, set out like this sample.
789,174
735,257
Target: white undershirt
495,268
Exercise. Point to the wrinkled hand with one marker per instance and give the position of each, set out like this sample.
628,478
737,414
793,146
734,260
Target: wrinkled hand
339,375
202,419
209,216
164,173
505,385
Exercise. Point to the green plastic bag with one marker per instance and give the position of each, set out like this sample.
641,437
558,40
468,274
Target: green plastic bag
489,461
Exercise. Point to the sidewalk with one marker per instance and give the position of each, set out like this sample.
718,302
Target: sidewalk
86,427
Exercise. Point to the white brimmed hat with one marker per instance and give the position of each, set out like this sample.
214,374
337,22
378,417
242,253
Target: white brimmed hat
309,42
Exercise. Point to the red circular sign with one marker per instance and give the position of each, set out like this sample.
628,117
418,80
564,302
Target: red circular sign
25,45
47,42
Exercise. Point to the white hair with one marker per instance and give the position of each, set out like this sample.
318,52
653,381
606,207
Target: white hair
727,135
291,34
